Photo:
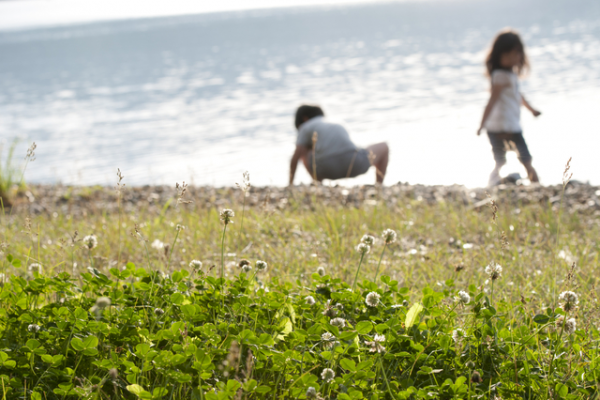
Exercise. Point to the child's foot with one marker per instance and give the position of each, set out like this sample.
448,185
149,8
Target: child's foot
495,179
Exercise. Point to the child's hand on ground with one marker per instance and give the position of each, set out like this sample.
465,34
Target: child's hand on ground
536,113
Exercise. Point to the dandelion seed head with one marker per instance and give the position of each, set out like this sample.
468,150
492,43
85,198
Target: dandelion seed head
372,299
90,241
328,374
389,236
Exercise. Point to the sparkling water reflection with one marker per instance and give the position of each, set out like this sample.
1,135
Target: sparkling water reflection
204,98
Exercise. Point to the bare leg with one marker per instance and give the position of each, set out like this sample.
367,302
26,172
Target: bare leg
495,175
531,173
381,155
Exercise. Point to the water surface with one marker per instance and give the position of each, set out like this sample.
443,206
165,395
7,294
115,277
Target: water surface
203,98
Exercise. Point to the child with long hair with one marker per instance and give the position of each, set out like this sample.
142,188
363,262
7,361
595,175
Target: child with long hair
501,118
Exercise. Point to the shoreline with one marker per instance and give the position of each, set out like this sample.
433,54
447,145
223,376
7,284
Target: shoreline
49,199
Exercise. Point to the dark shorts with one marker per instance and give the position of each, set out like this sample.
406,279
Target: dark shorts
503,142
339,166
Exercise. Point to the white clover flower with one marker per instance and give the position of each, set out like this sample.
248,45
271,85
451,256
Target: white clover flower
328,374
328,340
494,271
464,297
363,248
338,322
226,216
261,265
372,299
329,310
179,227
310,300
103,302
368,240
246,268
389,236
90,241
375,345
37,268
34,328
458,335
321,271
159,312
311,393
157,244
570,326
568,301
195,265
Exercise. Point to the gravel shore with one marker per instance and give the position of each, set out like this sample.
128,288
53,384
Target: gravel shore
80,200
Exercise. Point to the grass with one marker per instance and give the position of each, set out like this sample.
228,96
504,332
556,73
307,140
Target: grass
256,336
12,176
433,240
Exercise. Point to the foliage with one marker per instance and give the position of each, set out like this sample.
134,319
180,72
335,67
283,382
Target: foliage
9,172
191,335
79,321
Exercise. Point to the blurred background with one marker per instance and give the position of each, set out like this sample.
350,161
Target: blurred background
174,90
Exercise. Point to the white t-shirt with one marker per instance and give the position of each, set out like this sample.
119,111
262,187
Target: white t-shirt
506,114
332,139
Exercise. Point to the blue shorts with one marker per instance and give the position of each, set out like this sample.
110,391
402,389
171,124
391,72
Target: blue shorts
339,166
503,142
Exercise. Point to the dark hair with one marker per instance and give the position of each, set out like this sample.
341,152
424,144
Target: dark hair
308,112
506,42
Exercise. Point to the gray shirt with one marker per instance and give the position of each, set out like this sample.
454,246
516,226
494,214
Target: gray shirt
332,139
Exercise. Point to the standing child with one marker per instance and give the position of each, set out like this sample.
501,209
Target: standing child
501,118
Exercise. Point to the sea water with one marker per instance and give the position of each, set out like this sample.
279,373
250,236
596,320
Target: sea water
203,98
